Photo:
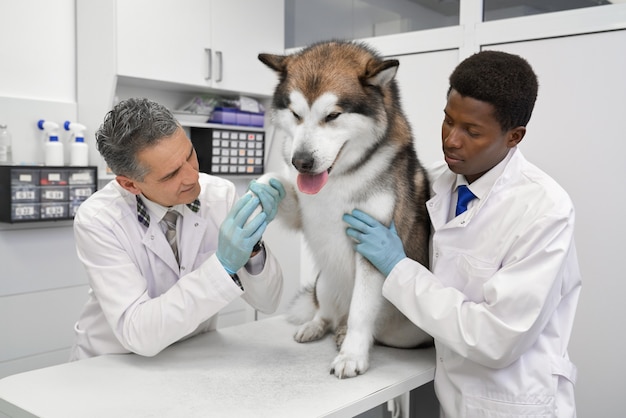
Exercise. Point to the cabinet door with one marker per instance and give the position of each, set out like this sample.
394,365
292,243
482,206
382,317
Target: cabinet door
164,40
423,83
241,29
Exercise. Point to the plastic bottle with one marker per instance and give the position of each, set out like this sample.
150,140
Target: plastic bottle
79,151
53,148
6,145
54,151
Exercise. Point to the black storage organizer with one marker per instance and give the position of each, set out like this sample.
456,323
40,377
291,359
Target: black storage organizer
44,193
229,150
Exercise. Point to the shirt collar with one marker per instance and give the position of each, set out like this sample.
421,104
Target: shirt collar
147,209
480,188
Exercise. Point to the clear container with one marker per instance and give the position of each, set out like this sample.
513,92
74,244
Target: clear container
6,145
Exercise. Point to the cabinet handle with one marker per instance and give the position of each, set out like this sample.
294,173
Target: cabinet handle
219,65
210,62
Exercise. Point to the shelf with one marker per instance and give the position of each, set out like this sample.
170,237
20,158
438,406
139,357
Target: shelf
222,126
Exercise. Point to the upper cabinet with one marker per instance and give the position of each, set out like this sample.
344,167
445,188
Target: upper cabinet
241,29
205,43
163,40
169,47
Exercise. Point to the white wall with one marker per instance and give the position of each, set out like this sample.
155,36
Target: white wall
37,50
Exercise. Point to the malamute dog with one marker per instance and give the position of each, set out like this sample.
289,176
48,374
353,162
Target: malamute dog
347,145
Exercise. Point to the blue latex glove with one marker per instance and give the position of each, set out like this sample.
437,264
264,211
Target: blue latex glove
270,196
235,240
380,245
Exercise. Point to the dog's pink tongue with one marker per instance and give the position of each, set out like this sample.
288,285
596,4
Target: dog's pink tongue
311,184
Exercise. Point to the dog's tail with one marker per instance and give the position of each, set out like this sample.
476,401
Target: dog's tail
303,306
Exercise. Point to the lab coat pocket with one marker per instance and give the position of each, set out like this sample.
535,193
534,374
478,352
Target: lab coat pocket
564,374
564,368
502,405
473,275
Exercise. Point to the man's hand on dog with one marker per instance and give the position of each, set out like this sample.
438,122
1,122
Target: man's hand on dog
270,196
380,245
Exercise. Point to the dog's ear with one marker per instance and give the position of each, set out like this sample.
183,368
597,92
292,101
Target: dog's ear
275,62
380,73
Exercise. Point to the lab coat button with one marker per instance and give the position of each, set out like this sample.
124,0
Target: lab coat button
196,224
182,268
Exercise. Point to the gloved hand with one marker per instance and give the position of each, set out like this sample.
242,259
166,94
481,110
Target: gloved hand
236,241
270,196
380,245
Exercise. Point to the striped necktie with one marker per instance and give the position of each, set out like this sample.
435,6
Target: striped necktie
170,219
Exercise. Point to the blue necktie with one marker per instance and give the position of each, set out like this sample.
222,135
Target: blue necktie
465,196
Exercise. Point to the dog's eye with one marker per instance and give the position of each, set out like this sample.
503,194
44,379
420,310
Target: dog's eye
295,115
332,116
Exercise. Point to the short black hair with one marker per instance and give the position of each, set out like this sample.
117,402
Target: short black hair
504,80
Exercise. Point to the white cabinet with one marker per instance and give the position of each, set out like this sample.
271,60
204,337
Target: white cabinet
163,40
206,43
172,46
241,29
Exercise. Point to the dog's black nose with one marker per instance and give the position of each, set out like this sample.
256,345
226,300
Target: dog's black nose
303,162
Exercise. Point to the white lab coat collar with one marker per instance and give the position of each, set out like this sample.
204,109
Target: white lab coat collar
157,211
191,225
444,188
483,185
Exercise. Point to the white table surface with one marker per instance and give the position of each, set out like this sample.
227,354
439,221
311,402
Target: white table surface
250,370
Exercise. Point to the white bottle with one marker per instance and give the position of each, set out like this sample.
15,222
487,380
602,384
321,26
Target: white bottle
54,151
79,152
6,143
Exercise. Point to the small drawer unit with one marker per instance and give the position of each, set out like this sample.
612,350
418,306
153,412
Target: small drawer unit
229,151
54,194
24,185
34,193
54,210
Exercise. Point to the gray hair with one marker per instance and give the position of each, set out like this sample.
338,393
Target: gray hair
130,127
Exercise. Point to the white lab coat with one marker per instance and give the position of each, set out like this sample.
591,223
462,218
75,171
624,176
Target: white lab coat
501,297
139,300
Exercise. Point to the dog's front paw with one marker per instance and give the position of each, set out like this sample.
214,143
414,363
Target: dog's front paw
349,365
310,331
340,335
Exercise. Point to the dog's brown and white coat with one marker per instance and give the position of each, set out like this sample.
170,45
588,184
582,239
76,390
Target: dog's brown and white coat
346,145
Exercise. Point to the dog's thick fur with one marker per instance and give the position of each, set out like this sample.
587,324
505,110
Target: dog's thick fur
339,111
